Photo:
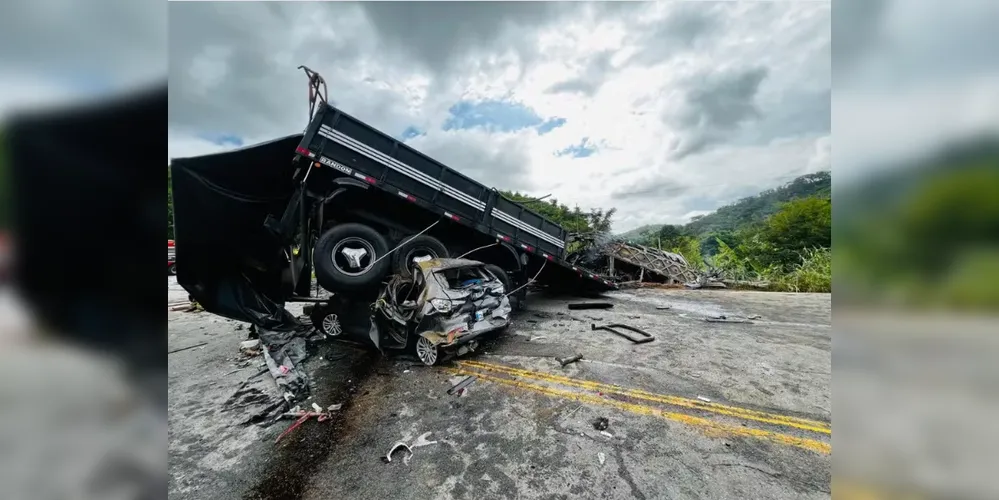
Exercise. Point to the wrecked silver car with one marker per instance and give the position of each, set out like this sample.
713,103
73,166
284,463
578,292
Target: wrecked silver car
441,310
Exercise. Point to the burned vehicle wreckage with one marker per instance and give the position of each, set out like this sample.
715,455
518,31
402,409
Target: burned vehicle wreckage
350,208
446,304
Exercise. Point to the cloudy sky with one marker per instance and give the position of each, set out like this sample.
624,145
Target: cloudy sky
663,110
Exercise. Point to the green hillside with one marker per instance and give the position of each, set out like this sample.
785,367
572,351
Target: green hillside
637,232
756,208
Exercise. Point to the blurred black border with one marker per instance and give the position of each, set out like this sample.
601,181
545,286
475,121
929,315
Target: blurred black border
89,221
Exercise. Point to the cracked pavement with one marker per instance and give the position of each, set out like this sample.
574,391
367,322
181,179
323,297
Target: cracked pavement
524,428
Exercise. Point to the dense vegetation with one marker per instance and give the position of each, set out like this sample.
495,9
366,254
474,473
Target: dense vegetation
925,233
594,224
781,236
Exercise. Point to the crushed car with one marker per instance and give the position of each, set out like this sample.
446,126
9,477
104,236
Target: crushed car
441,310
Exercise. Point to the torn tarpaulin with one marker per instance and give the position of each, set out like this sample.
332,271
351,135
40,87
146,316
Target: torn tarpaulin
284,352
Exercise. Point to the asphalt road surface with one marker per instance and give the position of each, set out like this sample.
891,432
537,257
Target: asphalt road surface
706,410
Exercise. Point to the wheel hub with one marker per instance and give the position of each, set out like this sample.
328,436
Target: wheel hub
353,256
426,351
331,325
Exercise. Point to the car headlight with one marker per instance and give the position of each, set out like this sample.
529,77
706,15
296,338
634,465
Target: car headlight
441,305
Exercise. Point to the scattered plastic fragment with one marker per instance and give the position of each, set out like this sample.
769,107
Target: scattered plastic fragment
422,441
334,407
399,444
607,434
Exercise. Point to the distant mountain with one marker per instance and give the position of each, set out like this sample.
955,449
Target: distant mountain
758,207
635,233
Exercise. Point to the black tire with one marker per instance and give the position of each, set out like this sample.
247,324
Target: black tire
402,259
334,270
172,269
501,274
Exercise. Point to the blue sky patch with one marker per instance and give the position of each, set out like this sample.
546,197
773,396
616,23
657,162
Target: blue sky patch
410,133
581,150
223,139
550,124
498,116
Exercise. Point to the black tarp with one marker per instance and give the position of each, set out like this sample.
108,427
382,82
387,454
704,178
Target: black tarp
226,258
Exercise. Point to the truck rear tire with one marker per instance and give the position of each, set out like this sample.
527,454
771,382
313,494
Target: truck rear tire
345,258
501,274
420,246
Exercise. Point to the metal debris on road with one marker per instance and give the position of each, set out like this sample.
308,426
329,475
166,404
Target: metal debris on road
422,440
702,398
399,444
590,305
460,386
662,308
606,434
567,361
601,458
188,347
646,337
601,423
539,337
755,316
723,319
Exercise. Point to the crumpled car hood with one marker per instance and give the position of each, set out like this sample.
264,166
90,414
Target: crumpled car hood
476,309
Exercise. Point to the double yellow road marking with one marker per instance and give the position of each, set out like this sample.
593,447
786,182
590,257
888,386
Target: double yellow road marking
478,368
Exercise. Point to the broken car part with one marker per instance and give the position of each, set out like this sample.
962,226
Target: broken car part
399,444
645,336
567,361
445,305
590,305
422,440
467,381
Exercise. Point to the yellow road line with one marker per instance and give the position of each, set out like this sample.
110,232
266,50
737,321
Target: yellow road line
707,425
732,411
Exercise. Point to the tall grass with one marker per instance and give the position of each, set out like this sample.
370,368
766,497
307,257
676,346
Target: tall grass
813,273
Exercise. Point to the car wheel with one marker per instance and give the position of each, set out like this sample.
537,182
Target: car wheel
172,269
328,323
420,246
346,258
426,351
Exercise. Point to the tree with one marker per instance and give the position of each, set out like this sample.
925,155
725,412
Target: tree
671,236
799,225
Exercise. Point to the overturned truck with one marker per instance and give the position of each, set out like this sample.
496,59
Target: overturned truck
353,206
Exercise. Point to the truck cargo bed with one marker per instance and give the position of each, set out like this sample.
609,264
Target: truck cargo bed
353,148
